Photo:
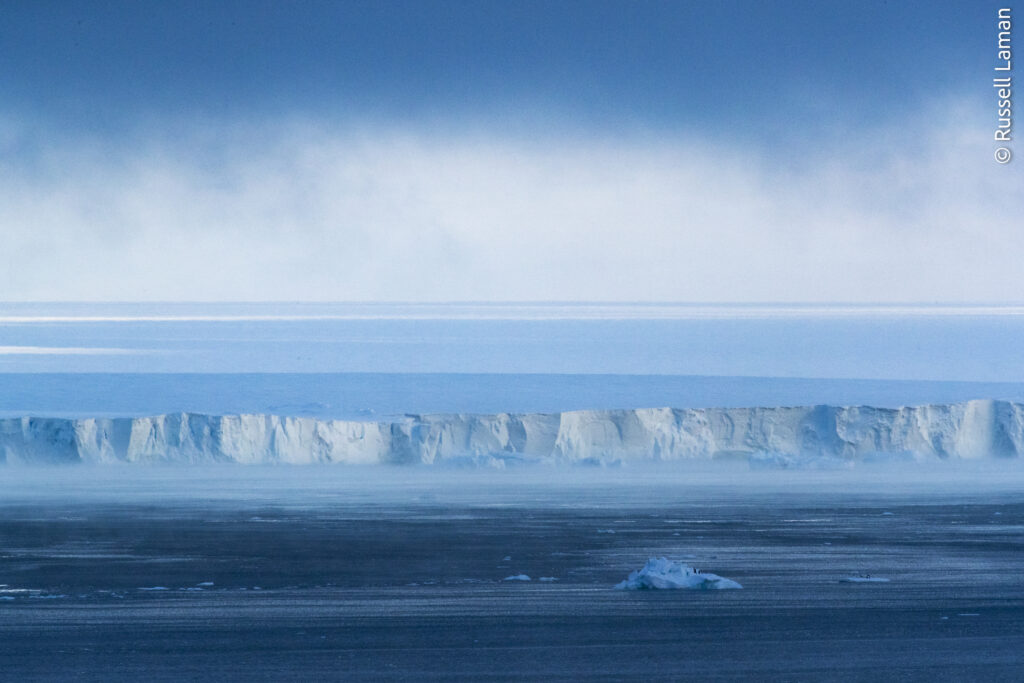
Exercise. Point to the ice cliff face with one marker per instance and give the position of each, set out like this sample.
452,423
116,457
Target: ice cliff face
976,429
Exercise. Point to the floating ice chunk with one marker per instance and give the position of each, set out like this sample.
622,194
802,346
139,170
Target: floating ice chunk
517,577
866,578
547,579
205,583
662,573
507,558
154,588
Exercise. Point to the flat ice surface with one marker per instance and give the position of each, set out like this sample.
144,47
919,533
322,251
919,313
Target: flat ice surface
372,396
663,574
906,342
370,361
378,362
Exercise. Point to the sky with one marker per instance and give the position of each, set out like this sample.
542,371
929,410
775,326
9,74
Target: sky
504,151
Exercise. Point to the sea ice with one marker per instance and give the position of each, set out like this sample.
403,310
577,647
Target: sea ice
661,573
517,577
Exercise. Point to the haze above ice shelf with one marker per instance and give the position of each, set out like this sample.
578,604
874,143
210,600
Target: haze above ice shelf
86,312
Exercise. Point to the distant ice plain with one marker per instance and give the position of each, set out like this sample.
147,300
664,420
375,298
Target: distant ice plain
964,343
352,361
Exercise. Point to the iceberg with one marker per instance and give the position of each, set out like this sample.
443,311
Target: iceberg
661,573
826,437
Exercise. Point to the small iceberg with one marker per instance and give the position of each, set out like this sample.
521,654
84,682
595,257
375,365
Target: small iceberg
661,573
864,578
517,577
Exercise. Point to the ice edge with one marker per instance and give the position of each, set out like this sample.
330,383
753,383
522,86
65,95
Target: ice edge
779,436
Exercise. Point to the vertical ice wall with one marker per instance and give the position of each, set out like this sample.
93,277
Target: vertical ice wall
975,429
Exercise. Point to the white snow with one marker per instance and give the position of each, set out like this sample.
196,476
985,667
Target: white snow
814,436
661,573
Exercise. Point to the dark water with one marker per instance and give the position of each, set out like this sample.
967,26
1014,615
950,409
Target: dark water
353,589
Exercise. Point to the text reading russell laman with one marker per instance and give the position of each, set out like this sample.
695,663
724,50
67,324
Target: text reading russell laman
1003,83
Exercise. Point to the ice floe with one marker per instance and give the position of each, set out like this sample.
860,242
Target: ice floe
662,573
864,578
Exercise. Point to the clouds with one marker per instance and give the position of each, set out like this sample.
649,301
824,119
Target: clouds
909,211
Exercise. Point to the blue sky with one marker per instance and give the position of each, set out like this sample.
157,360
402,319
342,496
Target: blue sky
713,151
762,66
